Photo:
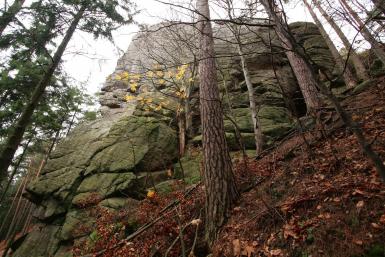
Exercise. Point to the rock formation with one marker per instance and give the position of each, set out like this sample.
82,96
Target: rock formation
112,157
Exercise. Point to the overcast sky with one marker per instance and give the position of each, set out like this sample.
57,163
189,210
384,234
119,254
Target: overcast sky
94,60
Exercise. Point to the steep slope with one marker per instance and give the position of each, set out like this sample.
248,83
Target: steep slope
111,162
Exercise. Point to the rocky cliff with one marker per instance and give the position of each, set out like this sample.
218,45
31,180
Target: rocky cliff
132,147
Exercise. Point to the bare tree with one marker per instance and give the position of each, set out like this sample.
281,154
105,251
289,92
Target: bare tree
376,46
236,30
221,190
301,67
10,14
347,74
357,62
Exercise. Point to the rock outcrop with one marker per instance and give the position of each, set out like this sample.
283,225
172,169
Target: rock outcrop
111,158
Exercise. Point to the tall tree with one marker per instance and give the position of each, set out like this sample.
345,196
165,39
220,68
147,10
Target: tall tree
357,62
380,5
9,15
344,69
221,190
302,69
254,108
101,19
345,116
376,46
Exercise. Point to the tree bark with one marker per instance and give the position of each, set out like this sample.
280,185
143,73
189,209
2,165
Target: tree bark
376,46
358,64
254,109
380,5
9,15
16,135
15,169
301,67
221,190
345,71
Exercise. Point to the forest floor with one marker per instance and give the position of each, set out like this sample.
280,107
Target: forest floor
328,201
324,201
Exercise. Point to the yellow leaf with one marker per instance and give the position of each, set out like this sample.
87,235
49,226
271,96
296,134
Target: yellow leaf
133,87
151,194
125,75
129,98
159,73
150,74
117,77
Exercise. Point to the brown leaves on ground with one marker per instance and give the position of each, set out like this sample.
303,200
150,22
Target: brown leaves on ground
329,205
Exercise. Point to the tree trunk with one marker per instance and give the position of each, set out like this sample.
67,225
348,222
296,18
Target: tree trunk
15,169
254,109
376,46
16,135
380,5
301,67
9,15
221,190
182,133
345,71
358,64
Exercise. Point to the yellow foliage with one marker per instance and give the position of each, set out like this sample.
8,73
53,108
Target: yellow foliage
159,73
129,97
133,87
135,76
161,82
170,74
150,74
125,75
151,194
118,77
158,108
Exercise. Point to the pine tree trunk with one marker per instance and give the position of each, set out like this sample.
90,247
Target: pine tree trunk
9,15
376,46
380,5
302,69
15,169
347,74
17,133
221,190
358,64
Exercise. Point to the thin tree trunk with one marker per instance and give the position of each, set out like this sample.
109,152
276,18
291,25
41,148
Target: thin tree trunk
376,46
16,135
221,190
380,5
302,69
254,109
358,64
4,221
182,133
9,15
15,169
71,123
347,74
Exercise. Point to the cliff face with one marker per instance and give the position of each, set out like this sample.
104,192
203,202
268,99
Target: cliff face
129,149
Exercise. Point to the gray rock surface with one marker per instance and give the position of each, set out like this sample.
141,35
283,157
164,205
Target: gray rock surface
113,157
